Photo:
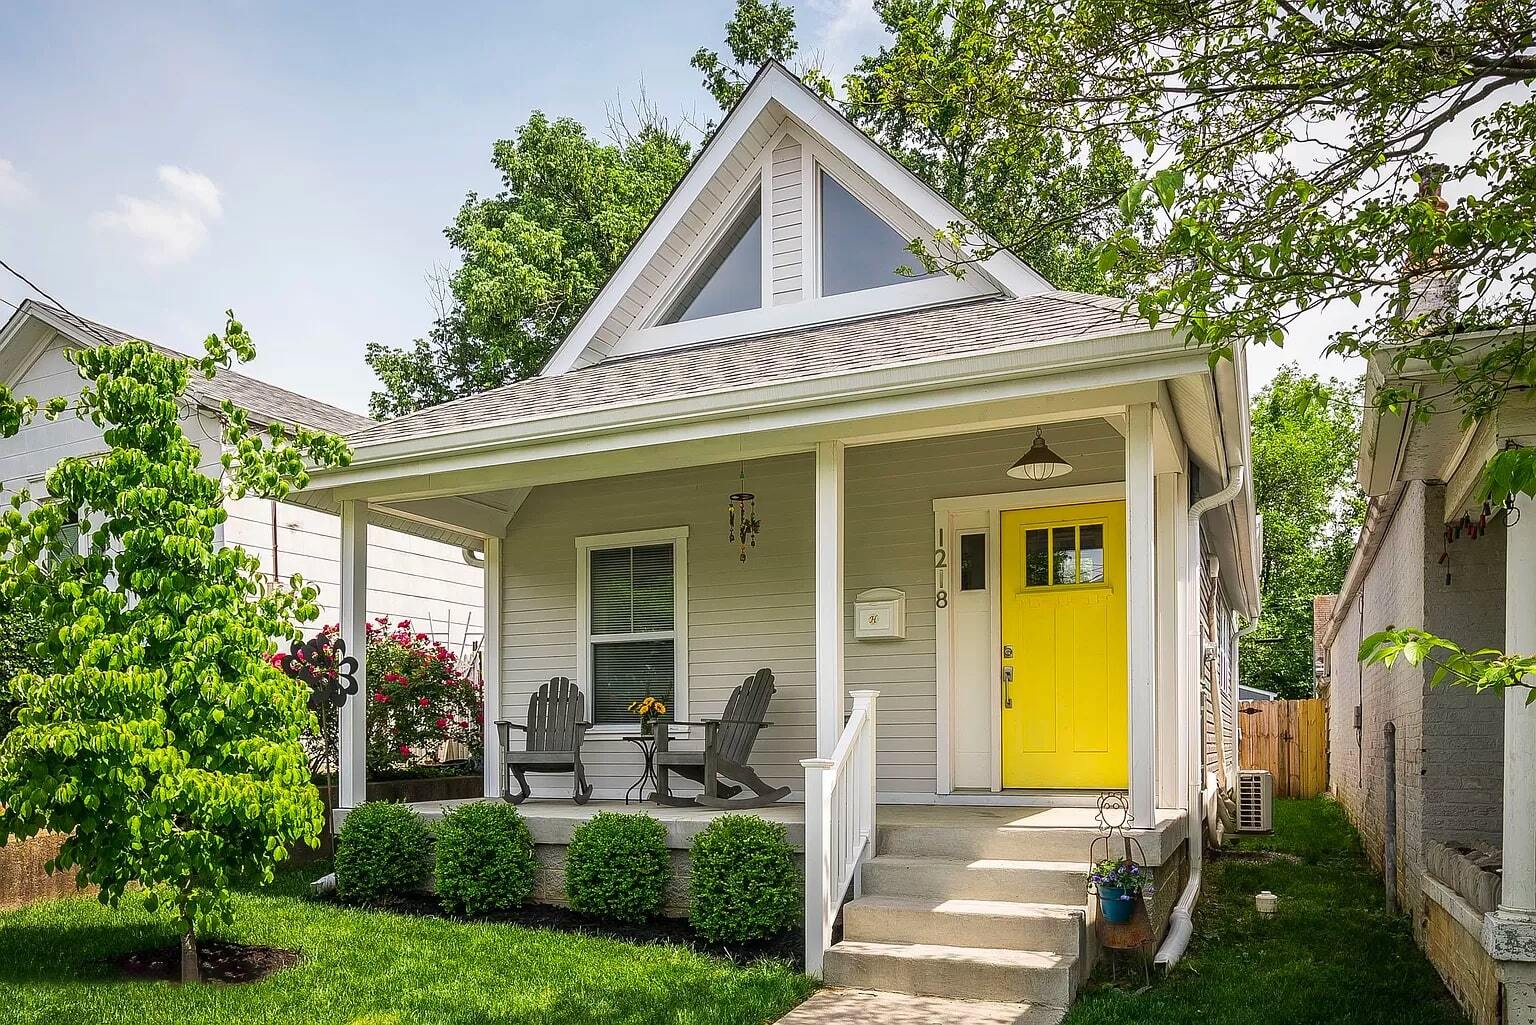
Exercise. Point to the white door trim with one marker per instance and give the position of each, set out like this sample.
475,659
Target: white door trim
945,512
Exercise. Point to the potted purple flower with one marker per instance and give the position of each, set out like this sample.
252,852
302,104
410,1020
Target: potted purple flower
1119,882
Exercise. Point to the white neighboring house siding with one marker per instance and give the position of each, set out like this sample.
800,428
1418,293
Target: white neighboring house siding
743,616
425,581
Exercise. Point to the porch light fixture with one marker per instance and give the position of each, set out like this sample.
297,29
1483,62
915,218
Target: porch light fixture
1039,463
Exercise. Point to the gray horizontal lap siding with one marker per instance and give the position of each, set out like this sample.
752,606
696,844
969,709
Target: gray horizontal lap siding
761,613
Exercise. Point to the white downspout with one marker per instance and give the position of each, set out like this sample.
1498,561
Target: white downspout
1181,922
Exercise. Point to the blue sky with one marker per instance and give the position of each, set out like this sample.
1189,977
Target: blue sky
159,163
297,162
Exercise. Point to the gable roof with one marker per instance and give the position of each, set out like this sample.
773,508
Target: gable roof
264,402
774,96
891,340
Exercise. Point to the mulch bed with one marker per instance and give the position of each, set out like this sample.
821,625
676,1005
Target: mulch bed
787,947
221,962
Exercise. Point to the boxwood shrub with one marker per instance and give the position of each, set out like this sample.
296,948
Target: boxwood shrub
746,881
616,866
383,851
484,858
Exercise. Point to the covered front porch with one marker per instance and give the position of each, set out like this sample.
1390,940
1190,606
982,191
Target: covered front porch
886,566
885,592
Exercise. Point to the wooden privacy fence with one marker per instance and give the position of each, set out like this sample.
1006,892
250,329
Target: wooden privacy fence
1290,739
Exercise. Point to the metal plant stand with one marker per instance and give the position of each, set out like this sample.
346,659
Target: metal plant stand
323,665
1122,940
646,742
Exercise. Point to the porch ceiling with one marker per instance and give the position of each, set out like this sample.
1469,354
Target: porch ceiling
459,508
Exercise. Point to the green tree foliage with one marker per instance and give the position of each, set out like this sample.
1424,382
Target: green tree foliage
1306,439
757,33
1051,194
153,731
20,634
1289,165
532,256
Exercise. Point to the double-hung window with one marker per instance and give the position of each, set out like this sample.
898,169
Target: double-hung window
633,615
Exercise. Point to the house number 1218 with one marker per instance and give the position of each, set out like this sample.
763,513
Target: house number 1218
941,569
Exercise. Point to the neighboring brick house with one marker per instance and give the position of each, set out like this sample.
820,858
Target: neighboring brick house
1430,556
1322,613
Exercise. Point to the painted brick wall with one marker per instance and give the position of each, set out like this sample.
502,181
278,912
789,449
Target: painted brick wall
1449,740
1463,731
1392,594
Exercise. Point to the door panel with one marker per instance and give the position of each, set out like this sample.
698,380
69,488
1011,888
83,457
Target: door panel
1063,616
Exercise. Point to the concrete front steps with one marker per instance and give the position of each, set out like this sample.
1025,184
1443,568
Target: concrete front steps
972,913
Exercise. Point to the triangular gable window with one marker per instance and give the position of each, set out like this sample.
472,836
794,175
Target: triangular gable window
858,249
731,279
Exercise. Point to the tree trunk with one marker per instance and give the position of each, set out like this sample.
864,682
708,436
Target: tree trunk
190,971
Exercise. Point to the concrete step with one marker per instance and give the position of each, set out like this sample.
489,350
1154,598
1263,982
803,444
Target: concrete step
1008,843
972,973
867,1007
1000,925
1019,833
1044,882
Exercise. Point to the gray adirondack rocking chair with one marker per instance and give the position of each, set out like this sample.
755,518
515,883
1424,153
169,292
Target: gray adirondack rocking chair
553,734
728,744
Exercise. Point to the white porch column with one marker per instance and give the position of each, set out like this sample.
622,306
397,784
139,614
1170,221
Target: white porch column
1509,934
353,725
490,667
1171,559
829,596
1141,611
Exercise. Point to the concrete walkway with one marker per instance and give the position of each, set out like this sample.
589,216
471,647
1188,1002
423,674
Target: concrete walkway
861,1007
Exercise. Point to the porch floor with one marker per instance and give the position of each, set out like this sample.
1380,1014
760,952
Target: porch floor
551,821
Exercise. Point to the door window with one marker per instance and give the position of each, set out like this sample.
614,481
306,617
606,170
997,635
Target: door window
1064,556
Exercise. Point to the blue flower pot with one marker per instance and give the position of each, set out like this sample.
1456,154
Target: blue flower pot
1115,904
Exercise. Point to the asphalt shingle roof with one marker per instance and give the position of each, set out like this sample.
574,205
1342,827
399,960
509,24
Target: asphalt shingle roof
264,402
872,343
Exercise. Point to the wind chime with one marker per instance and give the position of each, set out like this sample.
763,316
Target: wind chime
742,512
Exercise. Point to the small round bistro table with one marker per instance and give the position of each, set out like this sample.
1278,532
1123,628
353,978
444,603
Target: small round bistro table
647,744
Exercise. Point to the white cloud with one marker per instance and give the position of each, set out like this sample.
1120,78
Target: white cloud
848,30
13,188
172,227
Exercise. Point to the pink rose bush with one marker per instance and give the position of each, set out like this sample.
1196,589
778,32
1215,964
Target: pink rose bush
417,695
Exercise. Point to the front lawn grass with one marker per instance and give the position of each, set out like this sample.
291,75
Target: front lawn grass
372,968
1331,954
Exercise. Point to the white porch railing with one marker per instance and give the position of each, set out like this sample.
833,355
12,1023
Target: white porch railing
839,824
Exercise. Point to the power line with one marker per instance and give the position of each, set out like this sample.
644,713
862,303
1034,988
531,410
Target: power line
87,325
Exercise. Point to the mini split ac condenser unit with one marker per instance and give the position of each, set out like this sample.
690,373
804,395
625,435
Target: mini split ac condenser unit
1255,801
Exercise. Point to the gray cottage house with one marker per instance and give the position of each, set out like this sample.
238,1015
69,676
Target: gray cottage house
1002,535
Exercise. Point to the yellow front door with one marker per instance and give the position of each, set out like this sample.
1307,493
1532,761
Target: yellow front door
1063,620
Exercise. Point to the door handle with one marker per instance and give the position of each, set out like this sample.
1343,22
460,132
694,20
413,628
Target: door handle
1007,686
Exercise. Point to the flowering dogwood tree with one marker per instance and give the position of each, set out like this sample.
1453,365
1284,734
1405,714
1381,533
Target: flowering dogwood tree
152,730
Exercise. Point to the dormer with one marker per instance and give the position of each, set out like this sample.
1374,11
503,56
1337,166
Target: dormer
789,217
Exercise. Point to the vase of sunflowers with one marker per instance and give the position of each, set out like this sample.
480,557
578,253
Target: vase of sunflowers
650,710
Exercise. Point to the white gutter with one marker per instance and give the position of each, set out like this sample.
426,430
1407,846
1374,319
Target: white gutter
1181,922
